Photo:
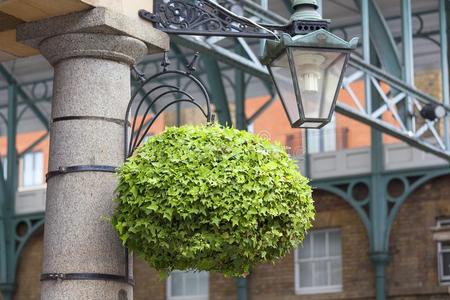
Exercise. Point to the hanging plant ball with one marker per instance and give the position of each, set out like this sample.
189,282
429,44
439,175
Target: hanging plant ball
210,198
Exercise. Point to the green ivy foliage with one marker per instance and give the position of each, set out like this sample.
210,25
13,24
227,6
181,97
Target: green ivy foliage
211,199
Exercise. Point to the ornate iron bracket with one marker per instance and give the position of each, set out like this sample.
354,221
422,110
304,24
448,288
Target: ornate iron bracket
152,98
206,18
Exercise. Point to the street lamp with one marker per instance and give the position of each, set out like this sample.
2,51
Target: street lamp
305,60
307,69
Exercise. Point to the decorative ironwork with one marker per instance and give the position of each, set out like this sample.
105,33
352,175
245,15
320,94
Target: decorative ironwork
206,18
152,98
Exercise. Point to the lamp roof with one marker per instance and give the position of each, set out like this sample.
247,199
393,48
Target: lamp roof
321,39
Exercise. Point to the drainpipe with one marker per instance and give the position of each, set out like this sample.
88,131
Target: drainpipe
380,261
242,289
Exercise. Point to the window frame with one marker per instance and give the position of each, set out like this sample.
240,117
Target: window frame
197,297
317,289
443,280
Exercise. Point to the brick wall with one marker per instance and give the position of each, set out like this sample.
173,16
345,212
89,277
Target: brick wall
411,274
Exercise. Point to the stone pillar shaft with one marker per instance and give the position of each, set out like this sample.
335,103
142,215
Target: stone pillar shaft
90,95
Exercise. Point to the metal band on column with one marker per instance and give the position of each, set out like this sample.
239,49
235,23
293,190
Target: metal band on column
85,276
77,169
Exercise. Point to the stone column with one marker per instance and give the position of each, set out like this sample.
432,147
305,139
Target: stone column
91,53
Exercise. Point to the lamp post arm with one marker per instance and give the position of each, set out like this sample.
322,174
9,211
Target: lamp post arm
207,18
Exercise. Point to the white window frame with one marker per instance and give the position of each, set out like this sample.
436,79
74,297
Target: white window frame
444,280
316,289
169,292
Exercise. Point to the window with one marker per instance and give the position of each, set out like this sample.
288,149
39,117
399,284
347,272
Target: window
31,171
318,263
324,139
444,255
188,285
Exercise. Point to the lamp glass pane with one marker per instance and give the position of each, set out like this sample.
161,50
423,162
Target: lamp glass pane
282,76
318,75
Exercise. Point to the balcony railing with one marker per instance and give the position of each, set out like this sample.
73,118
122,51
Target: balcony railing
344,162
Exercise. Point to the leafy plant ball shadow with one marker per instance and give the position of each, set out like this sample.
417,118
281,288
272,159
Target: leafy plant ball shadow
209,198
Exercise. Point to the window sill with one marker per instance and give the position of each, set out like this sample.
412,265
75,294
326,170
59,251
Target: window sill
31,188
318,290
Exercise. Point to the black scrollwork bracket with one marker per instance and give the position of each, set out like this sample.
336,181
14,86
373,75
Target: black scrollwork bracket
206,18
156,95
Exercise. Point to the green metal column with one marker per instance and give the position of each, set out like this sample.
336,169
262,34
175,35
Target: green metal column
444,8
377,204
217,90
378,215
408,62
306,155
241,120
8,259
241,124
378,209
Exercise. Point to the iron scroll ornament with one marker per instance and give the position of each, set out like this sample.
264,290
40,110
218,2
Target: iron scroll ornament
206,18
143,107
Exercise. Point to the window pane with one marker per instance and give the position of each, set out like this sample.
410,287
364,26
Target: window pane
28,169
305,250
191,284
324,139
38,168
306,274
203,283
320,273
329,136
177,284
188,284
336,272
445,246
446,264
319,245
334,243
313,141
32,169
